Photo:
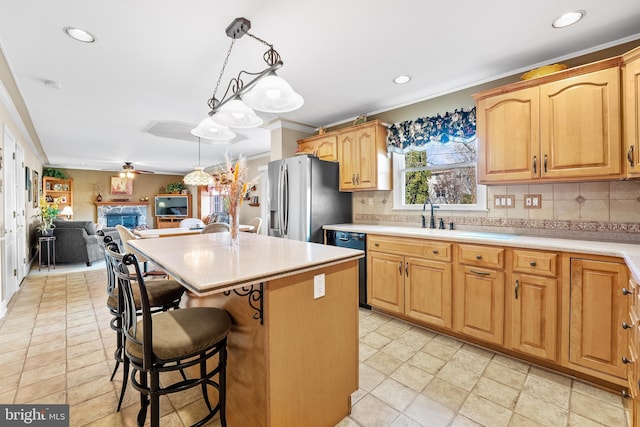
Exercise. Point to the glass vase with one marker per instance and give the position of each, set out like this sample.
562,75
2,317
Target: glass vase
234,222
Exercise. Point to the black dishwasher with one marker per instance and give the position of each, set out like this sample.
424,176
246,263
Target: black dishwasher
346,239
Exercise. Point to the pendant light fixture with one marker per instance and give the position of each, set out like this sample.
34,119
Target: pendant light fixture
266,92
198,176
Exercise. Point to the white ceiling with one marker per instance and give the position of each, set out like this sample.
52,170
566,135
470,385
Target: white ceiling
158,60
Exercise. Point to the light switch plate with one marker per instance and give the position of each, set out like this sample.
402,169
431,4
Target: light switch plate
532,201
318,286
504,201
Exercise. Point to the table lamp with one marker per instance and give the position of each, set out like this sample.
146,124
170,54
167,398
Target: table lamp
68,212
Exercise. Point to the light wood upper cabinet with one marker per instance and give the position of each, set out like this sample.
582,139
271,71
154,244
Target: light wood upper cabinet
631,107
325,147
580,126
597,309
364,163
562,127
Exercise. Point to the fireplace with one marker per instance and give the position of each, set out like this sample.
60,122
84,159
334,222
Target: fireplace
127,220
129,214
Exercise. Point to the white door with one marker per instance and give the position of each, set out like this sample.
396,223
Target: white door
10,264
21,229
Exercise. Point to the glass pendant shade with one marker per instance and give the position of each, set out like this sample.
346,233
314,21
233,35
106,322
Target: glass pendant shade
198,177
272,94
208,129
236,114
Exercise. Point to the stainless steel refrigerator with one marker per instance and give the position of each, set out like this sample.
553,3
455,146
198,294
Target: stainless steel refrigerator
304,196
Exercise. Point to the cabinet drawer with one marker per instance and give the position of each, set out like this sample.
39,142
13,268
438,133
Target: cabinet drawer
440,251
541,263
482,256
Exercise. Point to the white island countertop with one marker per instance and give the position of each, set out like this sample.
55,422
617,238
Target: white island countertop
206,263
629,252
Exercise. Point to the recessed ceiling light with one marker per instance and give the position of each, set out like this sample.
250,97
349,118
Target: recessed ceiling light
79,34
400,80
569,18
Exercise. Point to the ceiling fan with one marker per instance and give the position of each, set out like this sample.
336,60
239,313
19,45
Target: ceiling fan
128,171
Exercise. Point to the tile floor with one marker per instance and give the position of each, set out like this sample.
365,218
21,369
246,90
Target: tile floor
56,347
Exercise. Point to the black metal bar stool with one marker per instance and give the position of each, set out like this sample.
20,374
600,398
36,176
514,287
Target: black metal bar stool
163,295
170,341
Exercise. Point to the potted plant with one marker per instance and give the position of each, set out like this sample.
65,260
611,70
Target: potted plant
47,212
175,188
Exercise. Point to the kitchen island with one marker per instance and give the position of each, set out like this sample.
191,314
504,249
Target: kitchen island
293,358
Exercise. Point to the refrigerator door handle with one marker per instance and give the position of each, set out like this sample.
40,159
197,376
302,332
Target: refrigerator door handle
285,200
280,203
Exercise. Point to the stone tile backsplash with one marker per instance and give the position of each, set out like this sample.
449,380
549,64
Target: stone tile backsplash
608,211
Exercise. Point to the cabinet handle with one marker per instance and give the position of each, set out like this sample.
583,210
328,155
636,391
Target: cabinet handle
517,287
533,264
478,256
400,267
630,157
625,325
625,394
406,269
626,291
482,273
435,251
625,360
535,164
353,179
357,179
545,163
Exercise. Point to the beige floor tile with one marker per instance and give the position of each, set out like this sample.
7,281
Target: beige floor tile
85,337
7,395
85,360
459,375
497,393
86,348
58,398
191,413
92,410
48,347
89,390
439,350
412,377
45,359
576,420
89,373
392,330
552,388
52,336
369,377
450,341
446,393
376,340
510,362
365,351
597,393
383,362
606,414
10,382
426,362
399,351
40,374
504,375
518,420
462,421
39,389
49,328
485,411
370,411
541,411
394,394
13,356
111,420
428,412
415,338
402,421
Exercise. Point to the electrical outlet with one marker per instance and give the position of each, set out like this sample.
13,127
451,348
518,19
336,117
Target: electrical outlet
318,286
532,201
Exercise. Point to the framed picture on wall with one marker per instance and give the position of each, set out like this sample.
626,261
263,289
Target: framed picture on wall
121,185
35,187
27,182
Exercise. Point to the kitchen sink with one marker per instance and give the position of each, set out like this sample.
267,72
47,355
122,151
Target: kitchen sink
485,235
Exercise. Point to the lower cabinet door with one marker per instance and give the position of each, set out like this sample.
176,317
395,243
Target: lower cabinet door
479,301
386,281
598,308
533,323
428,291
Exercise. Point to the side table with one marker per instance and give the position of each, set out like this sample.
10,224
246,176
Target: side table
50,242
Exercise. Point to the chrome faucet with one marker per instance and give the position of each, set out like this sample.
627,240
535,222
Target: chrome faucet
432,220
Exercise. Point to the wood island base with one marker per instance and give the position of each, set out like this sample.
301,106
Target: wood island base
300,366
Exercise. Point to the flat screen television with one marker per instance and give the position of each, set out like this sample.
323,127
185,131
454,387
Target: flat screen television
172,205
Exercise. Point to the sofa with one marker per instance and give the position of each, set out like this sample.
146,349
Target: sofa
77,241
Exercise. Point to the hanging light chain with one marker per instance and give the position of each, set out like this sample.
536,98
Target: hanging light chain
213,102
271,56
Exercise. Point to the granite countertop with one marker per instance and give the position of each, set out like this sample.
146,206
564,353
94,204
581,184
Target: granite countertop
206,263
629,252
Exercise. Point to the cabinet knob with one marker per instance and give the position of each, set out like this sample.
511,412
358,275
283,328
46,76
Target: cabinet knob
435,251
533,263
625,360
626,291
478,256
625,325
376,244
625,394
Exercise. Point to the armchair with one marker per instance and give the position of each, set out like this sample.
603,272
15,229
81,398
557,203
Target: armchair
76,241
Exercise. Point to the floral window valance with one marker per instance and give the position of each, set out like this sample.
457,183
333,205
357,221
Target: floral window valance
416,135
